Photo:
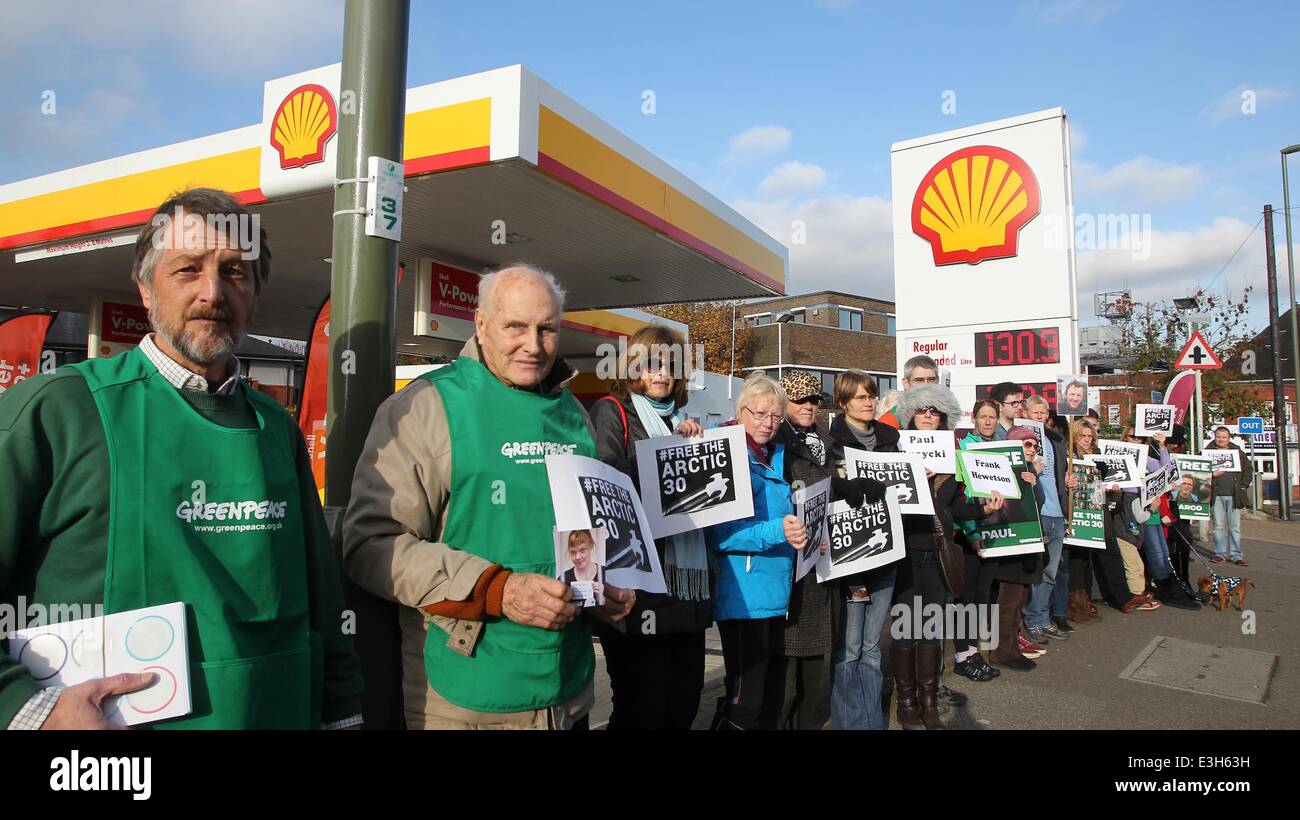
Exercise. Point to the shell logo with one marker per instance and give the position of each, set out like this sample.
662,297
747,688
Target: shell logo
305,121
973,203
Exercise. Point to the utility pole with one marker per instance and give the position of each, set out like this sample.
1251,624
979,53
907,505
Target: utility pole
1279,398
363,303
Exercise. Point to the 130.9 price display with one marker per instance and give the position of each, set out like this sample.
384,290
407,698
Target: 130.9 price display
1004,348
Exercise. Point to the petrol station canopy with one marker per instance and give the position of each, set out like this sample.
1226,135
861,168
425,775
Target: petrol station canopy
500,153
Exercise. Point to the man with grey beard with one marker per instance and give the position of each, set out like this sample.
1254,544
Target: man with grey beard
161,465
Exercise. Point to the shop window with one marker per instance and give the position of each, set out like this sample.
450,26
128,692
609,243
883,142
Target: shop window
828,383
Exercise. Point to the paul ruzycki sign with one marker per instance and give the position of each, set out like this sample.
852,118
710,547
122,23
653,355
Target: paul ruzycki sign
982,205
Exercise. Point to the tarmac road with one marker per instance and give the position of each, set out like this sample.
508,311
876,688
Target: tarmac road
1079,685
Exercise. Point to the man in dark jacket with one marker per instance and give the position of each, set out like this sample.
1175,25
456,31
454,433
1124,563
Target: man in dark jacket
1229,494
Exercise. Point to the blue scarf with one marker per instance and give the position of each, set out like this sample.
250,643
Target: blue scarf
662,408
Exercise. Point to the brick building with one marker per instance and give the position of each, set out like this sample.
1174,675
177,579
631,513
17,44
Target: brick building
826,333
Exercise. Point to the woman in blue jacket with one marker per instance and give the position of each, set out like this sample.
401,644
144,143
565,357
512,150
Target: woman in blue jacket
753,559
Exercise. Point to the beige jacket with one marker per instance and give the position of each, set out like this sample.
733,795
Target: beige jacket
392,531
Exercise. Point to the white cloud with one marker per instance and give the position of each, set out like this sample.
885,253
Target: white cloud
1078,138
848,242
1057,12
117,73
792,179
756,142
239,38
1236,102
1139,182
1179,261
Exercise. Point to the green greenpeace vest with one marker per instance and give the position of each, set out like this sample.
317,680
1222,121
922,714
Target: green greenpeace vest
210,516
501,510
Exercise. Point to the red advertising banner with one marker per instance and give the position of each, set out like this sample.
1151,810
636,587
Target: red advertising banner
123,324
315,395
454,292
22,336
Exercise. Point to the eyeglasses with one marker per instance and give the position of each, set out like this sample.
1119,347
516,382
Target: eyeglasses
813,399
1016,403
928,411
764,418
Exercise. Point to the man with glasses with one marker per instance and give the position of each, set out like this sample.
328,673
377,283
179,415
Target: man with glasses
1011,406
917,371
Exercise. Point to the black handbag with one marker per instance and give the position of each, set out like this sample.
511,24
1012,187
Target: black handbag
951,560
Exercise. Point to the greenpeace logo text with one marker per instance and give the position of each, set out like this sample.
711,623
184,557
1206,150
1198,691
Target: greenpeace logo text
102,774
198,508
532,452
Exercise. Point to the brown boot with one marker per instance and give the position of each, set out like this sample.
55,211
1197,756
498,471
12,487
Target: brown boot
927,684
904,662
1079,609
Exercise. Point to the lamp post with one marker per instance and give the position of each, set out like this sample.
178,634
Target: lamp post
1280,424
785,317
1290,263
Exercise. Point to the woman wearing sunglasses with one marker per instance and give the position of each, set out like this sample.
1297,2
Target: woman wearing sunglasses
919,583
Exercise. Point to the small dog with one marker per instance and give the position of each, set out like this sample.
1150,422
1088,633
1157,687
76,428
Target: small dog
1225,589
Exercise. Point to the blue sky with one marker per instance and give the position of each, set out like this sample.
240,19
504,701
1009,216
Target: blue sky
786,110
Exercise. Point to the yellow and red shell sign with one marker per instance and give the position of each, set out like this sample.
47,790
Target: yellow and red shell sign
973,203
305,121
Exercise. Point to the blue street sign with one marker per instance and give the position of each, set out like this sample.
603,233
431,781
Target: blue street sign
1249,425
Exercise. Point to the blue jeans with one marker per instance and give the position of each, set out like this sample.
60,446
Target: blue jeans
1156,550
1041,594
856,678
1227,517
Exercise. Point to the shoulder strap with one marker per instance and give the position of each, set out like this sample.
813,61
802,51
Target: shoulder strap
621,413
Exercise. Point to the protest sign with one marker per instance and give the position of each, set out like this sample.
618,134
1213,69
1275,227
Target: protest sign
1087,527
935,447
1155,484
906,471
1150,419
986,473
687,484
1227,460
580,563
1137,453
1072,394
587,493
1192,493
811,504
862,538
1117,469
1015,529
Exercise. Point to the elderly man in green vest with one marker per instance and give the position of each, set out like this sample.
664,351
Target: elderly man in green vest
451,516
158,476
